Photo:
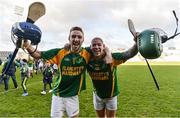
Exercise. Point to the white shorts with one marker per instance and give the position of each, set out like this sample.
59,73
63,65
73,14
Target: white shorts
107,103
61,104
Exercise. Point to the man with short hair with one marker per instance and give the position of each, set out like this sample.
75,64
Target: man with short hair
71,69
104,77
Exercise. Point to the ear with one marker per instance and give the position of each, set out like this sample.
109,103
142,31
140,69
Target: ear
83,38
104,46
69,37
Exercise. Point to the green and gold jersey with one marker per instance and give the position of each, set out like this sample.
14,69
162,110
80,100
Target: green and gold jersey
104,76
71,70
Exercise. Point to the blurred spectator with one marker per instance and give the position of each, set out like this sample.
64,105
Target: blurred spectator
47,77
30,67
10,73
41,65
24,76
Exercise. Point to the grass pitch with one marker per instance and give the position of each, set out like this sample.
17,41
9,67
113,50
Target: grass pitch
138,94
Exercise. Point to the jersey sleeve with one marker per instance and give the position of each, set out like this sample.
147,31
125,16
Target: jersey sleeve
117,58
51,55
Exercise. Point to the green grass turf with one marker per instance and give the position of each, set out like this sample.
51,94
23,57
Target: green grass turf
138,95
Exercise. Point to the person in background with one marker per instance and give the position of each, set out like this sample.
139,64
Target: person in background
30,67
41,65
35,66
47,77
24,76
10,73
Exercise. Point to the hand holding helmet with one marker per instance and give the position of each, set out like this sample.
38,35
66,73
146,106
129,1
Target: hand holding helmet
24,30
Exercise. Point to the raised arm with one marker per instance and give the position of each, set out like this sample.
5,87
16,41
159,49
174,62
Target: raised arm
32,51
131,52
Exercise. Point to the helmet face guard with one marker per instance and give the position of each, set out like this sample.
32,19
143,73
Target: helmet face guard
27,31
150,44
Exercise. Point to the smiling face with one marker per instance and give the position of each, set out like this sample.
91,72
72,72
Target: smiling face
76,38
97,47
